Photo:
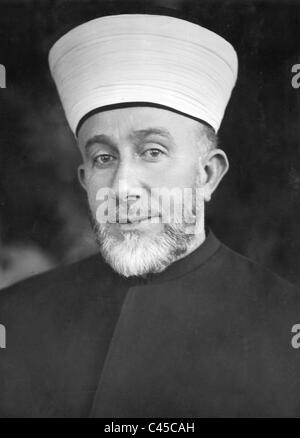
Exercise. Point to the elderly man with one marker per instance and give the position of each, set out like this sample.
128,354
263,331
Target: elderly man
166,321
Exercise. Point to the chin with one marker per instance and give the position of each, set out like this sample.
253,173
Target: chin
135,261
135,253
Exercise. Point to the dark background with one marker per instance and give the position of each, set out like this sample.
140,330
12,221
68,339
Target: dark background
256,211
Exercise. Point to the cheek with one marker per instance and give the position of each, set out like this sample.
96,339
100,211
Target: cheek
93,185
181,174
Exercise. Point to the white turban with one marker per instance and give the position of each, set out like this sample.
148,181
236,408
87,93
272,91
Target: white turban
154,59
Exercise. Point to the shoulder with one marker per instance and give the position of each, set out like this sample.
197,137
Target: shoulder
250,268
255,283
58,283
51,306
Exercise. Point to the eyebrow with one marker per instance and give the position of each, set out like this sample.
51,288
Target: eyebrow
140,135
100,138
143,133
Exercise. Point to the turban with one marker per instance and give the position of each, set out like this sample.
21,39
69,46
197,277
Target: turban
140,58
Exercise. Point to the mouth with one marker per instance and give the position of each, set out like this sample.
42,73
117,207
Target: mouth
133,222
132,219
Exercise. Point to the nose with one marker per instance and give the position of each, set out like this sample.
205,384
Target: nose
126,184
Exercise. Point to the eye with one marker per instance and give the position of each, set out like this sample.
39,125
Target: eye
103,159
152,154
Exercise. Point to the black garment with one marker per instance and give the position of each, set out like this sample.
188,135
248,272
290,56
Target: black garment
209,336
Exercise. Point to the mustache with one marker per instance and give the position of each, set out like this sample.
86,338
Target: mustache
135,210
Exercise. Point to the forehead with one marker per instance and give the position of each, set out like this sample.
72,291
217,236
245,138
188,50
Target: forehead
120,123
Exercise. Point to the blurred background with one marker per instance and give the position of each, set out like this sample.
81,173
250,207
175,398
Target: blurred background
256,210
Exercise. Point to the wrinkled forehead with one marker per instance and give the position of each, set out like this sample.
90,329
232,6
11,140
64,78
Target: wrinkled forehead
121,123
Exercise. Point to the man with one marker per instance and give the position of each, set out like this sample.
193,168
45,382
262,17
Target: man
167,321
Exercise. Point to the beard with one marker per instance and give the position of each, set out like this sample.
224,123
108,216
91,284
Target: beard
136,253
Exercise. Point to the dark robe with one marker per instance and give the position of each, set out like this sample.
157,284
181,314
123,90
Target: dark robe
209,336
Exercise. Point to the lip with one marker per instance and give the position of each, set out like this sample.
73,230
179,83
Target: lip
136,221
132,219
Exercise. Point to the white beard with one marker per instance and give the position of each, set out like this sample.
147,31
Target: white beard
138,254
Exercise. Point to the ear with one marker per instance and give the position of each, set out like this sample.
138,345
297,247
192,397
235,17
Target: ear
81,175
214,166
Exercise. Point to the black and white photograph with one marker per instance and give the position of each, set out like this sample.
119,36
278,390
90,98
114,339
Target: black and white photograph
149,211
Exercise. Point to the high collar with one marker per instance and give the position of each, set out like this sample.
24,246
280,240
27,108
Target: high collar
184,265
